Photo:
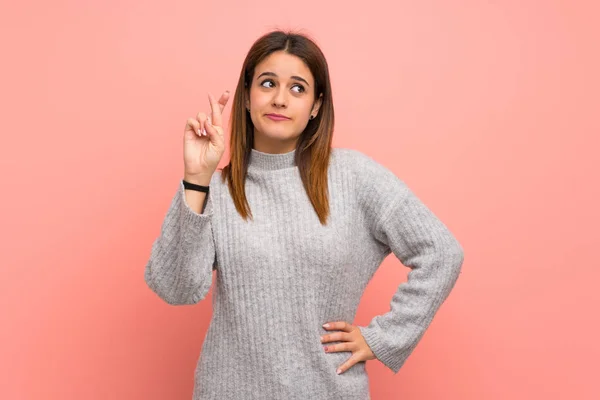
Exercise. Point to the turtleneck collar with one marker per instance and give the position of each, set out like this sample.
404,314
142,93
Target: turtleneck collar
260,161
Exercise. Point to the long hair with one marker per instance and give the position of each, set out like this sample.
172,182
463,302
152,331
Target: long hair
314,144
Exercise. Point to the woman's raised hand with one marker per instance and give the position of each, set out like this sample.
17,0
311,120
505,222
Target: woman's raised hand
204,142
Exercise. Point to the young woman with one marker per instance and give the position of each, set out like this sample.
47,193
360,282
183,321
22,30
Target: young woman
295,229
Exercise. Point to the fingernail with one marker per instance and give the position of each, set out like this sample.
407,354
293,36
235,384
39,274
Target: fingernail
339,371
325,325
200,132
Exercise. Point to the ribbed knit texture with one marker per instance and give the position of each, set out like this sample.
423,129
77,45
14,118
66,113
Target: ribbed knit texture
280,277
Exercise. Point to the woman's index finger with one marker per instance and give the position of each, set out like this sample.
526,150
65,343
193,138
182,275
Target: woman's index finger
216,110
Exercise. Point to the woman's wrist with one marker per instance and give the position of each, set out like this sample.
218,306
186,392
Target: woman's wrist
202,180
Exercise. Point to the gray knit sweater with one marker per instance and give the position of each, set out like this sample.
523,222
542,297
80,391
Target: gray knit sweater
280,277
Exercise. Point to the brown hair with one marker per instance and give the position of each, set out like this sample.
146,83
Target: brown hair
314,144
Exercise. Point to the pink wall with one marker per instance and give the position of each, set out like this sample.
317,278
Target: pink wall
488,111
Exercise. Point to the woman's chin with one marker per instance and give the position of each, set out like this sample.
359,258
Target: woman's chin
279,135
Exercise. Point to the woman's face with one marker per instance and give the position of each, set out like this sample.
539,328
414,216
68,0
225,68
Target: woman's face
282,84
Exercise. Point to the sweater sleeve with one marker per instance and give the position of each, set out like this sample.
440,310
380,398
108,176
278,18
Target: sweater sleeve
400,223
183,256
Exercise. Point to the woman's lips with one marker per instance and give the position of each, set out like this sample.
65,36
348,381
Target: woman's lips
277,117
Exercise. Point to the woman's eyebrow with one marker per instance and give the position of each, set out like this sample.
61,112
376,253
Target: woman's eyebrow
298,78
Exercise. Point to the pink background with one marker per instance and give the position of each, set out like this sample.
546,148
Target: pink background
488,111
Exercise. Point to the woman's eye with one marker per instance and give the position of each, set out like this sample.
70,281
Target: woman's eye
300,87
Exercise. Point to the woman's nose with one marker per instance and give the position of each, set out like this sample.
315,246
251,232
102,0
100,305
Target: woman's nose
280,100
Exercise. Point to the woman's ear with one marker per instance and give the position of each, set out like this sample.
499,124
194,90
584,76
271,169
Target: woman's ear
317,105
